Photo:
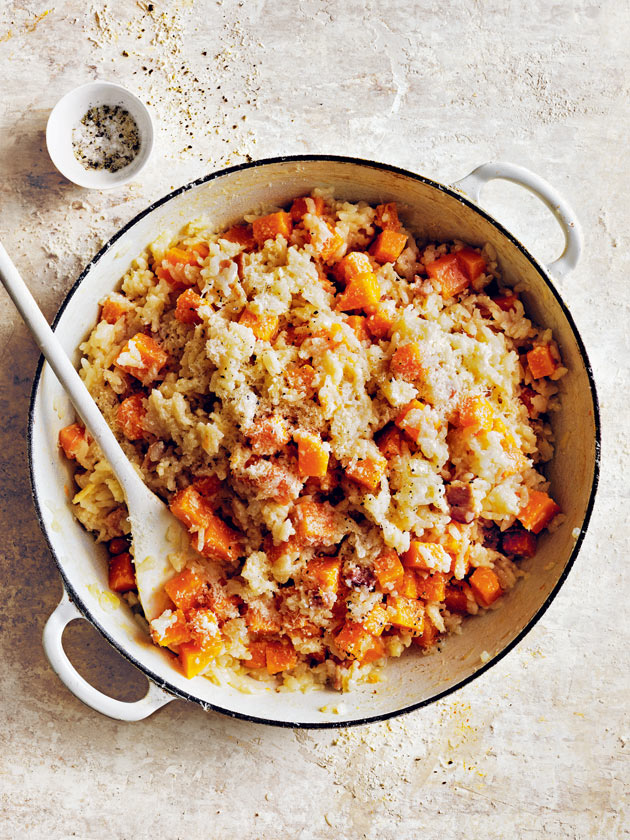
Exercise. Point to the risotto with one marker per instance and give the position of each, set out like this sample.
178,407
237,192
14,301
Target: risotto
350,422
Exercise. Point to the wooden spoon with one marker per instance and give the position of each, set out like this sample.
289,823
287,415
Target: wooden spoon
155,531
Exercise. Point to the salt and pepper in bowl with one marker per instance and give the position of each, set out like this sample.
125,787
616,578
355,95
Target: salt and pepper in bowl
100,135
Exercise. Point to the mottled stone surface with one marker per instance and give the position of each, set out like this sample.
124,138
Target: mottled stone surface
538,746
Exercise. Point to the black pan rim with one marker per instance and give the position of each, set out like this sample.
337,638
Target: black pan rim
183,695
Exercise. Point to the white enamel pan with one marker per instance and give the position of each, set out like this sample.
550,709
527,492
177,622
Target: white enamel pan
434,210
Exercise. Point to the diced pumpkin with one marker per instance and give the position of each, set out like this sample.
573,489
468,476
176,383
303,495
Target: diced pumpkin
388,569
541,362
119,545
373,653
357,325
431,587
264,327
202,249
307,204
376,620
448,275
271,226
391,443
257,655
130,416
260,619
429,636
505,302
301,377
121,573
456,600
471,263
114,307
315,522
387,216
328,247
73,439
353,265
220,542
142,357
380,323
407,419
185,589
281,656
276,553
428,557
325,571
224,606
207,485
405,612
485,586
195,658
388,246
361,293
240,235
367,472
187,305
538,512
180,256
354,640
170,629
408,586
406,363
475,414
312,454
519,542
269,435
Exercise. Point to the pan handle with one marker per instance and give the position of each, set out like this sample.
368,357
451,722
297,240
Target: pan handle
472,185
65,670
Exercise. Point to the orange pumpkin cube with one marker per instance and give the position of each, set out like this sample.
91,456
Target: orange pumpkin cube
307,204
271,226
387,216
485,586
73,439
257,655
471,263
264,327
541,362
405,612
325,571
195,658
170,629
315,522
312,454
406,363
187,305
361,293
262,619
327,249
185,589
121,573
388,569
520,543
448,275
391,443
428,557
280,656
380,323
220,542
374,652
376,620
207,485
142,357
431,587
538,512
367,472
476,414
114,307
355,264
302,378
429,636
409,420
388,246
241,235
456,600
130,416
408,586
354,640
204,627
505,302
357,325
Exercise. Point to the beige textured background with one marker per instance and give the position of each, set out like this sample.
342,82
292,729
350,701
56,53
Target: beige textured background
537,747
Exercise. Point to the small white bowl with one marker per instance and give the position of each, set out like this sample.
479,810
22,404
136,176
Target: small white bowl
68,113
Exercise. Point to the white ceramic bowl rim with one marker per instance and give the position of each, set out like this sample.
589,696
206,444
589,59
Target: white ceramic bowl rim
178,692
